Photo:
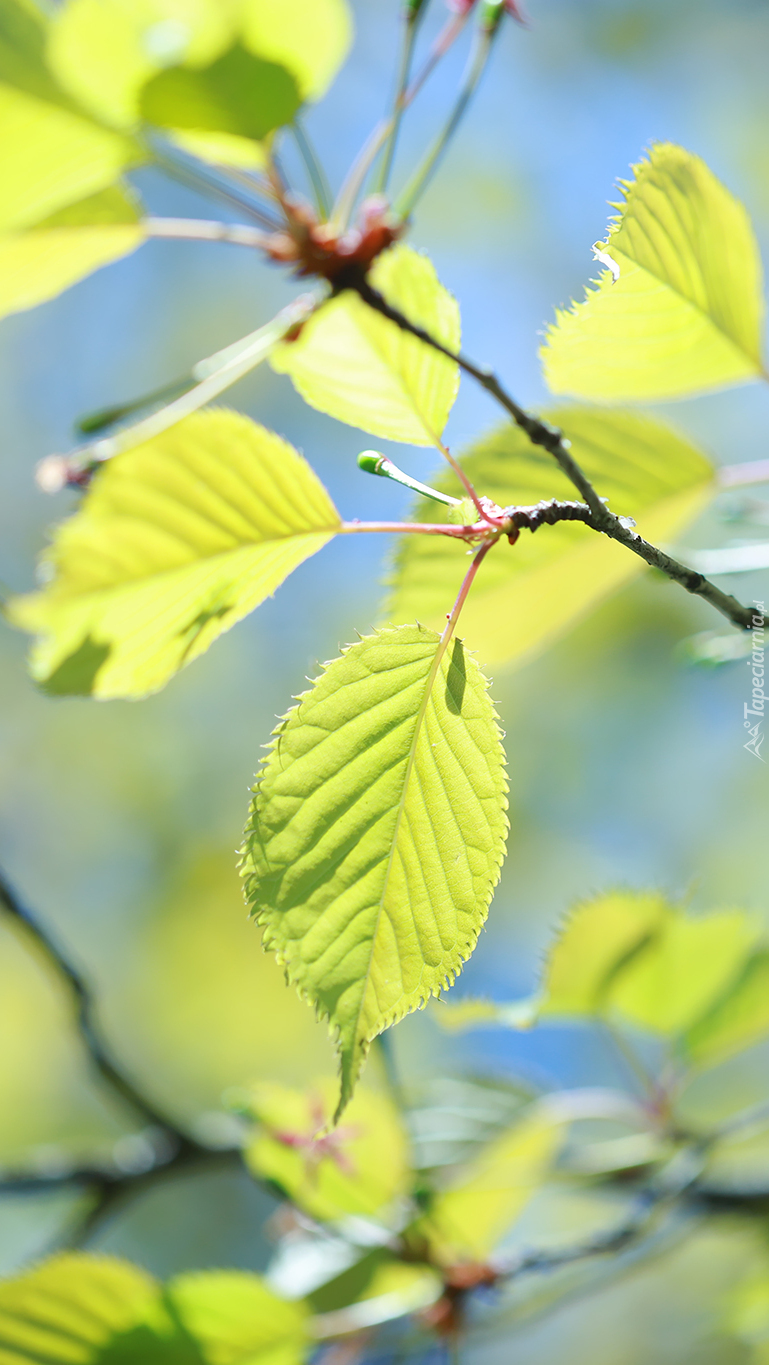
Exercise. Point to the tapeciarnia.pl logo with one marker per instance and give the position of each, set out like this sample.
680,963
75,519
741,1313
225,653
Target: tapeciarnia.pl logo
757,703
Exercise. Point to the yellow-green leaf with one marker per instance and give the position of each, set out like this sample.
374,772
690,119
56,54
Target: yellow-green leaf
738,1020
377,831
238,94
311,38
38,264
686,313
467,1221
87,1310
102,51
362,1167
177,540
597,939
50,158
354,364
235,1319
66,1311
527,594
683,969
23,35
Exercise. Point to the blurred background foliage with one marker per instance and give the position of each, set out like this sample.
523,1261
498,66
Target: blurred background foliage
119,821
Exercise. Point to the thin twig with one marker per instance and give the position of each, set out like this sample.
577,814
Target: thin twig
314,169
424,173
552,440
85,1012
410,21
204,230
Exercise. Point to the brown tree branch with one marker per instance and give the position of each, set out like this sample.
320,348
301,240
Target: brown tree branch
552,440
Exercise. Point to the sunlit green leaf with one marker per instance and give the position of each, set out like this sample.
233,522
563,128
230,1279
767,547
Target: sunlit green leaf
66,1311
683,969
361,1167
238,94
738,1020
222,149
310,38
103,51
527,594
597,939
466,1221
23,35
686,313
377,831
354,364
236,1319
50,158
40,263
87,1310
747,1309
177,540
644,958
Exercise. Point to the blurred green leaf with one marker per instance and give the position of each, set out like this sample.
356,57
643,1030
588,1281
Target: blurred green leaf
103,51
527,594
683,969
311,38
236,1319
38,264
361,1167
598,937
377,831
23,34
238,93
85,1310
686,313
177,540
467,1221
738,1020
357,366
51,158
66,1311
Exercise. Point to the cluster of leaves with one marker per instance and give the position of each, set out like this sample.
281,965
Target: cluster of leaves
85,94
378,823
391,1228
377,828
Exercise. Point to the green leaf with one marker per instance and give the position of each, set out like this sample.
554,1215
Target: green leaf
177,540
686,314
684,969
467,1221
50,158
738,1020
236,1319
102,51
361,1168
354,364
238,94
635,954
66,1311
86,1310
23,34
597,939
38,264
527,594
311,38
377,831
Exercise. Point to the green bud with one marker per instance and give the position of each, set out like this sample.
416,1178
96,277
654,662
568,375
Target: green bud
370,461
